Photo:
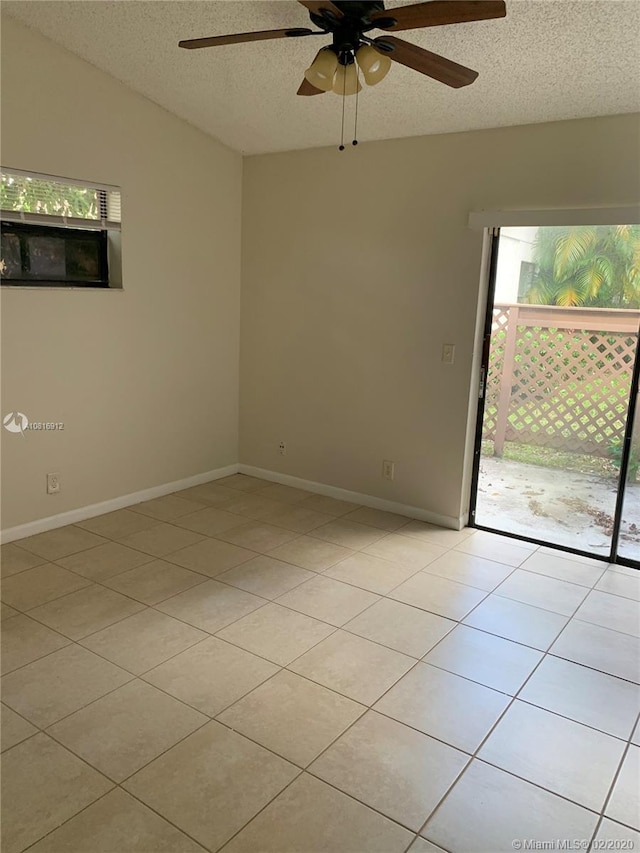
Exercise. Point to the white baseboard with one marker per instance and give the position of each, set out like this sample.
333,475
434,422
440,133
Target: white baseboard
41,525
355,497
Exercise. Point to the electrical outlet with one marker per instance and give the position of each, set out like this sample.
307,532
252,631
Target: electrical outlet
53,484
448,353
282,447
388,469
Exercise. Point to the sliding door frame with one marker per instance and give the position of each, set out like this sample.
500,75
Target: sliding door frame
624,464
494,234
613,556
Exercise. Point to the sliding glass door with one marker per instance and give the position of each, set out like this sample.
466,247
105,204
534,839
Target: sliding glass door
628,543
554,431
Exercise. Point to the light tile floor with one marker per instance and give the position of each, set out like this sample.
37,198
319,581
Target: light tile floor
250,668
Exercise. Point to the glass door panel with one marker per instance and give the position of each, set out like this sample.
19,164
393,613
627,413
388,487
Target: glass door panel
564,329
629,539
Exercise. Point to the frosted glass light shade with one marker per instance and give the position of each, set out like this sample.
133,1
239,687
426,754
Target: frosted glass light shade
346,80
374,66
322,70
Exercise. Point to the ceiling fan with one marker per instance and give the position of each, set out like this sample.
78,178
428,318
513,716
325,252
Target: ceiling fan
347,21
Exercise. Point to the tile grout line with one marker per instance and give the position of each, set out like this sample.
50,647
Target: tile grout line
493,690
301,769
60,556
119,785
162,613
252,493
338,790
166,558
475,755
49,600
626,751
275,601
67,820
141,676
41,657
133,677
115,787
339,736
283,605
606,627
336,628
370,708
142,767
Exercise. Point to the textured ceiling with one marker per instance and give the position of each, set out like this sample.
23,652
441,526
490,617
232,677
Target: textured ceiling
548,60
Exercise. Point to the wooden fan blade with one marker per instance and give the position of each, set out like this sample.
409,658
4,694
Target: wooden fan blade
307,88
238,38
440,12
320,6
425,62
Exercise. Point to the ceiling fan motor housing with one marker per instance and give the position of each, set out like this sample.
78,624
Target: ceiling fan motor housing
348,31
354,10
360,9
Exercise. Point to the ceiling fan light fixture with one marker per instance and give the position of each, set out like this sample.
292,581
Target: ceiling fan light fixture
374,66
346,81
322,71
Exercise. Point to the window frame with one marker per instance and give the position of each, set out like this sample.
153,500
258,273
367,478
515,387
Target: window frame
30,229
106,226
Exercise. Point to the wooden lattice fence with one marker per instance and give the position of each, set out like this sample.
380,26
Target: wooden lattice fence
559,377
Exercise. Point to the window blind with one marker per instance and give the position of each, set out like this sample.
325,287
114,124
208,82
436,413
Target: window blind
49,200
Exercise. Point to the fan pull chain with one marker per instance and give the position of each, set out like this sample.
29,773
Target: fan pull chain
344,98
355,125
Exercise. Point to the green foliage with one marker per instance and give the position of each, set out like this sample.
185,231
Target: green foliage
588,266
548,457
32,195
615,448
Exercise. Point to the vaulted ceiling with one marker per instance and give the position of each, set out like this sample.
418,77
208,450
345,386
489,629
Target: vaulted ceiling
547,60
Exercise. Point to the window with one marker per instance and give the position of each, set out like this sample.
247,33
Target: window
58,232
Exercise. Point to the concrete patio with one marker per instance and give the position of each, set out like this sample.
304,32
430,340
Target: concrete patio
562,507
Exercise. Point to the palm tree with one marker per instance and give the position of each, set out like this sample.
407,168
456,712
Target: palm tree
590,266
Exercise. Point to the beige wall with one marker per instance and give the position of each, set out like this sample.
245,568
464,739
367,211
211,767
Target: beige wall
146,379
358,267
